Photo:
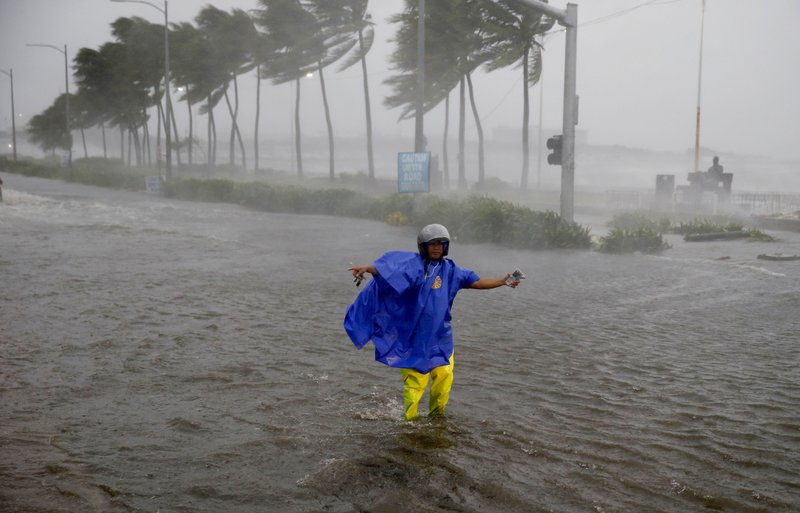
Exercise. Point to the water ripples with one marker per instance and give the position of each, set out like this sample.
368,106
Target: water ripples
185,357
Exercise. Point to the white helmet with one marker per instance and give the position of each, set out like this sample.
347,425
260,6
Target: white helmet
432,233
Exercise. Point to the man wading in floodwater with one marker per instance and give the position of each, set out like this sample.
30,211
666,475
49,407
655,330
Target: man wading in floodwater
405,311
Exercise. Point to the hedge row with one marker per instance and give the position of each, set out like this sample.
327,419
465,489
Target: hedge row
476,219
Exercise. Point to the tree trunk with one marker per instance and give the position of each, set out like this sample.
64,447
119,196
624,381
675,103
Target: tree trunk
258,112
235,131
209,154
297,144
462,176
370,158
191,128
177,141
103,131
159,115
158,128
213,134
146,137
445,161
162,111
525,121
232,142
481,167
327,121
236,121
83,138
121,143
138,145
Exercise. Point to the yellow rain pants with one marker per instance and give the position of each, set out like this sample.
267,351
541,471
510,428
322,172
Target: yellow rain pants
415,383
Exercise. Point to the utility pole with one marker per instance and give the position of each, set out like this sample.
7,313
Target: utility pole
419,144
699,89
568,18
66,99
168,138
10,74
539,149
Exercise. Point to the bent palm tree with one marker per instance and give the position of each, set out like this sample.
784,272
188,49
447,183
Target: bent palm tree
512,29
194,66
455,47
293,35
230,37
48,129
350,20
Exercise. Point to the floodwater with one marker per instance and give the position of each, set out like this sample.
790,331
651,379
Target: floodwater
162,356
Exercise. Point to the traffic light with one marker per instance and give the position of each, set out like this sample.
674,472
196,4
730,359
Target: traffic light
554,143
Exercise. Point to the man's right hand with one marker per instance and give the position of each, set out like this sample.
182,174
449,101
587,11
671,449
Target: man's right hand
359,270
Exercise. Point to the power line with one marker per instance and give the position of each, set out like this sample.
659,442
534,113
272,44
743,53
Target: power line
617,14
594,21
545,37
623,12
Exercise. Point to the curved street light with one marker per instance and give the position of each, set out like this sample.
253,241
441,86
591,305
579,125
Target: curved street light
166,76
66,86
10,74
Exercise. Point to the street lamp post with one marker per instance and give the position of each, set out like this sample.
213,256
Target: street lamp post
168,109
699,90
66,97
10,74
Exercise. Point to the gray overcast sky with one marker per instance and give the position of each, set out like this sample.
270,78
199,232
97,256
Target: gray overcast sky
637,73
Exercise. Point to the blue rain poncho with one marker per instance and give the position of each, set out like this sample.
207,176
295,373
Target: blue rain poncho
406,312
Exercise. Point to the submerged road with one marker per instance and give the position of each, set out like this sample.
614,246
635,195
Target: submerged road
160,355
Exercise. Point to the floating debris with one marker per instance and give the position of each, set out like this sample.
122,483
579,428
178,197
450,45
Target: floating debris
779,257
699,237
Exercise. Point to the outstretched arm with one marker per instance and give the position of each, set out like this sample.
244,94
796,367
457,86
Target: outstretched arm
493,283
359,270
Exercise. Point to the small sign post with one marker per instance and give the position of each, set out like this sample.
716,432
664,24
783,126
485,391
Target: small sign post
413,171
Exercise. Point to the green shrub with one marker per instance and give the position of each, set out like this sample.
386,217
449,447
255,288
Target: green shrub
476,219
27,168
644,240
483,219
380,208
634,221
93,171
699,226
758,235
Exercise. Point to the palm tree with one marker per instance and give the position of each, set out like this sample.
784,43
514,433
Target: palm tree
143,43
48,130
111,80
351,33
512,29
454,48
230,36
261,54
93,77
193,67
81,115
293,34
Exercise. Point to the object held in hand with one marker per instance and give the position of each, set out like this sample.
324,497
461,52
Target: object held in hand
516,276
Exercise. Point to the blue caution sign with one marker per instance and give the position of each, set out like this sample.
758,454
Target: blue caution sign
152,184
413,172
